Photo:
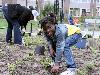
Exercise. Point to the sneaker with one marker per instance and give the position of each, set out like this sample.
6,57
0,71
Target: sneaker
70,71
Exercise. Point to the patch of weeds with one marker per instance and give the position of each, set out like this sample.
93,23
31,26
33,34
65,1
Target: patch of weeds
86,70
90,67
29,57
93,49
14,48
19,62
30,54
1,55
82,72
33,41
28,40
38,40
45,61
11,67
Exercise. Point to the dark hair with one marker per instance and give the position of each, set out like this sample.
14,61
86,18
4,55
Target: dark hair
51,18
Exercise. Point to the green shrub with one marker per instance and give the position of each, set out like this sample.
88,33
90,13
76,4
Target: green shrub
47,9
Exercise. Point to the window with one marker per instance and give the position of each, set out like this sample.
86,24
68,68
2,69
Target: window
84,12
75,11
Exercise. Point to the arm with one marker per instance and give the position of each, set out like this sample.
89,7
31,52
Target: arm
50,45
60,37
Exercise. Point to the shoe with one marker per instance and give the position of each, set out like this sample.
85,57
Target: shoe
70,71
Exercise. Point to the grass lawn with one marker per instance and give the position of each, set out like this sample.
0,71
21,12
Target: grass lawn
34,25
3,25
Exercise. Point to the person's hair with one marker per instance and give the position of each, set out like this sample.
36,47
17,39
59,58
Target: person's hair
51,18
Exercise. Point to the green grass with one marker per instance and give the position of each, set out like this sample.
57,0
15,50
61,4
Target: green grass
3,25
34,41
1,13
34,24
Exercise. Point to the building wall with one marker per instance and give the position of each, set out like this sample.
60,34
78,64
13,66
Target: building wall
80,6
29,3
66,6
33,2
0,2
84,4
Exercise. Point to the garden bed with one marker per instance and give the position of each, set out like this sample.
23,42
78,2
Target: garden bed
21,60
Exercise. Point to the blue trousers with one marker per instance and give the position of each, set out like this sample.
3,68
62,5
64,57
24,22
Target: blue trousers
13,24
70,41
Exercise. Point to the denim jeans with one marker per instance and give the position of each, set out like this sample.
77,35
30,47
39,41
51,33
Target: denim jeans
70,41
13,24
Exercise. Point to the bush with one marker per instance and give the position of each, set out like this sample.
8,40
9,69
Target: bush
47,9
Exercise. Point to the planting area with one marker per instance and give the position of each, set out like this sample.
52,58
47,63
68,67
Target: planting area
21,60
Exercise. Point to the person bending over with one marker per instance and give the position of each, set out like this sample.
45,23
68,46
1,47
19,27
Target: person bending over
60,38
17,17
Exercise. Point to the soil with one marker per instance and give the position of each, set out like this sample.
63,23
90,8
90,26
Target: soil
20,60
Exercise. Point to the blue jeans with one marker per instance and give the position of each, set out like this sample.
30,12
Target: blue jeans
70,41
13,24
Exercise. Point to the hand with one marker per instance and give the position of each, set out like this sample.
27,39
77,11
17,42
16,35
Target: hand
55,68
52,52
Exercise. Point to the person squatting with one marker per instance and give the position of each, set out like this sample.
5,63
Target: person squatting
60,38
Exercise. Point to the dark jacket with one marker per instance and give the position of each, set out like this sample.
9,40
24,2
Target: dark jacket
21,13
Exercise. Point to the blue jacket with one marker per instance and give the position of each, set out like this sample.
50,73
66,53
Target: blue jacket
58,40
